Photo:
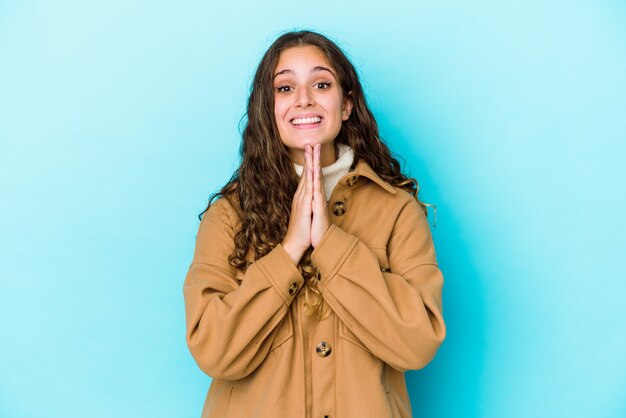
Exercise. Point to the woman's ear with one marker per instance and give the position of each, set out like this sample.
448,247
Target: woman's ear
347,106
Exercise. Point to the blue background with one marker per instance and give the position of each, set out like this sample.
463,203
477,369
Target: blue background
118,119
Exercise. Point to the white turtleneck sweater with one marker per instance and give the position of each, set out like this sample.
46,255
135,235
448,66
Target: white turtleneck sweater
332,173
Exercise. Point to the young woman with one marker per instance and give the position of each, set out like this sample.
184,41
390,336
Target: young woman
314,284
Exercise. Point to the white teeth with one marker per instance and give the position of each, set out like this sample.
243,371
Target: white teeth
300,121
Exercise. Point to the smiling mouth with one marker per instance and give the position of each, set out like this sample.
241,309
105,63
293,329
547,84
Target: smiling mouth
311,121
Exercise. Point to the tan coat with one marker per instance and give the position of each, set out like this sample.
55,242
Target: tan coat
382,293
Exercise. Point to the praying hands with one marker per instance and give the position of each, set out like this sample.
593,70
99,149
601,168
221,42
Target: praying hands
309,218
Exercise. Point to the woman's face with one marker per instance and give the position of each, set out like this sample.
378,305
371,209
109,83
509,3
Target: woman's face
309,106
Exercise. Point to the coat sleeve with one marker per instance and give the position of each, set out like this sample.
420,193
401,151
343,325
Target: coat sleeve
397,315
231,324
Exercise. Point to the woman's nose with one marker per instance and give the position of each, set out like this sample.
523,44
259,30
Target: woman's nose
304,97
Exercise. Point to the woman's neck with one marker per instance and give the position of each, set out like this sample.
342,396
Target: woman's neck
328,155
333,172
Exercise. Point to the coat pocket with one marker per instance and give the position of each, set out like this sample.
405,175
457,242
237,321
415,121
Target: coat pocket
236,402
346,334
396,392
393,406
284,333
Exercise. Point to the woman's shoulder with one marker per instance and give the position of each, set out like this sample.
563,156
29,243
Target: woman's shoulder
386,194
225,207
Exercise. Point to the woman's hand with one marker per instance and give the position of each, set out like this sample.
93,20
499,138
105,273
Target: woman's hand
298,237
321,219
309,218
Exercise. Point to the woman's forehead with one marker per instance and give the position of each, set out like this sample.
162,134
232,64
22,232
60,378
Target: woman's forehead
306,59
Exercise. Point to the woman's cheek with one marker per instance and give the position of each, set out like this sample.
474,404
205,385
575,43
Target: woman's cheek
280,108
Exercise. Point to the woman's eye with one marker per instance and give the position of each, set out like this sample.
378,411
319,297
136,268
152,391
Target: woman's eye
323,85
283,89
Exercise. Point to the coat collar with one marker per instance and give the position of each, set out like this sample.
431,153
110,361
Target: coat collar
363,169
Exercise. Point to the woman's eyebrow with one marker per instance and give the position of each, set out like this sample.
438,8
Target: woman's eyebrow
314,69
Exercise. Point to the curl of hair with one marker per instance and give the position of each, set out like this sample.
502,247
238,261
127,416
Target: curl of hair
264,184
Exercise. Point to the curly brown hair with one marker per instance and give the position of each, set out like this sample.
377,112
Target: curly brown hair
264,184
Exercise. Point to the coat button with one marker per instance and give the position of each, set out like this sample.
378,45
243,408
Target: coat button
339,208
351,181
323,349
293,288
